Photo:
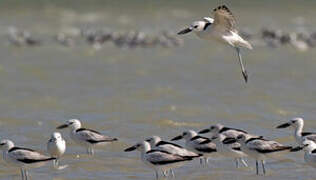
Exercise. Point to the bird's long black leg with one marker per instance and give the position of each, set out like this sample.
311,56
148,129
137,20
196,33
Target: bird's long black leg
263,168
243,70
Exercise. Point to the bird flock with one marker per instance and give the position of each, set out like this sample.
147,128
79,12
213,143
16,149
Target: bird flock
164,156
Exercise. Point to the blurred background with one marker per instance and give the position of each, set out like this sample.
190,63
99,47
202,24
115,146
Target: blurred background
119,67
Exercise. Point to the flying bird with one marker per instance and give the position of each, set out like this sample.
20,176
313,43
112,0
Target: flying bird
221,28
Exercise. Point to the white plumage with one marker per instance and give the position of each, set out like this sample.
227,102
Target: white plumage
56,147
299,135
85,137
310,152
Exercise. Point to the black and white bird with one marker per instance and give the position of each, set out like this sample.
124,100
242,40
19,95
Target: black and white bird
56,147
86,137
198,144
24,158
298,125
228,149
260,149
310,151
158,160
156,143
223,29
221,129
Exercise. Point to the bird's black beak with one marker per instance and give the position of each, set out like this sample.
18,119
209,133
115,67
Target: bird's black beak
177,138
204,131
62,126
132,148
229,141
185,31
285,125
297,148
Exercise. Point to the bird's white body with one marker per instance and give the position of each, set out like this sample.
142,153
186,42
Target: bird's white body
220,34
310,152
56,147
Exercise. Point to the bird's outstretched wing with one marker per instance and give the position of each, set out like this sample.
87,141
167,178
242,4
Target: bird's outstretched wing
224,19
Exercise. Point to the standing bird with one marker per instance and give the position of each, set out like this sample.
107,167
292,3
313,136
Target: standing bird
227,149
260,149
221,129
158,144
299,135
23,158
85,137
197,144
223,29
310,152
159,160
56,147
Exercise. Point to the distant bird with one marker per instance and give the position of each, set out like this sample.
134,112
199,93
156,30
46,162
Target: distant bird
158,160
65,40
56,147
23,158
227,149
85,137
299,135
221,129
21,38
223,29
260,148
197,144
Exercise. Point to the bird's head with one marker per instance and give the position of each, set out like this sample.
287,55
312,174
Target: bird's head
6,144
196,26
73,123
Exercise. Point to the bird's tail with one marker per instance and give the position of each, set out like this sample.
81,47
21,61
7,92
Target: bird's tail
246,44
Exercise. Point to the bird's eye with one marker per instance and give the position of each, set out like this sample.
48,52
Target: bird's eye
212,127
196,26
185,133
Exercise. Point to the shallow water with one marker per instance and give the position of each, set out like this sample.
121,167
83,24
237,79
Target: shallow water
135,93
